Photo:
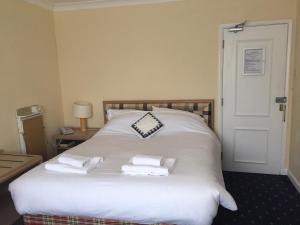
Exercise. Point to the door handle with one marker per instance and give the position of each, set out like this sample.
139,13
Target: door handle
281,99
282,108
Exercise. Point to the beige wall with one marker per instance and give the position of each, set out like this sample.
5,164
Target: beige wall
28,68
295,143
161,51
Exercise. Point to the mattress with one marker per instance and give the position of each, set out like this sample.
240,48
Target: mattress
190,195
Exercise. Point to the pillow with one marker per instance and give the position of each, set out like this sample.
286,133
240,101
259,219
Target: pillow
172,123
111,113
155,108
147,126
180,122
178,111
121,124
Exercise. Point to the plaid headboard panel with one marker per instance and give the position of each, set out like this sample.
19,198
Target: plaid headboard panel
202,107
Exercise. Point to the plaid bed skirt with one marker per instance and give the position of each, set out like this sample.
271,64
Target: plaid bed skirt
72,220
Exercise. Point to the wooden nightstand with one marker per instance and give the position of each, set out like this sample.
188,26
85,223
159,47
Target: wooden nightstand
65,142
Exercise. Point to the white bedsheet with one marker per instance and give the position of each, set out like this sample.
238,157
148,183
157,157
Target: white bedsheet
190,195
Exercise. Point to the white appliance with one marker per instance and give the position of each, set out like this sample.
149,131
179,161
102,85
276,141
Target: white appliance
25,114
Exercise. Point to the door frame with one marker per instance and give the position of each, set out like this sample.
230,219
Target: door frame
286,125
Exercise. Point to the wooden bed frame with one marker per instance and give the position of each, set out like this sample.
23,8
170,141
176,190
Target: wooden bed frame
203,107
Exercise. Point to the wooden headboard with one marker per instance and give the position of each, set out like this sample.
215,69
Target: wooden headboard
203,107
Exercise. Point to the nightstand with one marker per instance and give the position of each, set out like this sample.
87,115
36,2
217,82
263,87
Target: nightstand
67,141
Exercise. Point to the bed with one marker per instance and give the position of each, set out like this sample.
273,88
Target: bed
190,195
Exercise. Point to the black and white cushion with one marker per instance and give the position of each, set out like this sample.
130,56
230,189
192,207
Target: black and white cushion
147,125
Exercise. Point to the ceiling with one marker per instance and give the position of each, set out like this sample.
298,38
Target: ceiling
64,5
68,1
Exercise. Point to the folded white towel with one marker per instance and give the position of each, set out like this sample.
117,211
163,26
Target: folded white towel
164,170
56,166
147,160
74,160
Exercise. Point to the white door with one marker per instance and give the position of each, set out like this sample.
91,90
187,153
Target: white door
254,73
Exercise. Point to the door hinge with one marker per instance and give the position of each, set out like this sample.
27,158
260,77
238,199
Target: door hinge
222,101
223,44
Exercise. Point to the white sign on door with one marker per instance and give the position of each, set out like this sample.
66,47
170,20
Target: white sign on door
254,61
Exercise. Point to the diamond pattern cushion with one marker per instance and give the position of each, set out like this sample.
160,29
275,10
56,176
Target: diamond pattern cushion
147,125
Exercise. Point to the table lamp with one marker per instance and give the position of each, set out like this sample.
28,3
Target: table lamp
82,110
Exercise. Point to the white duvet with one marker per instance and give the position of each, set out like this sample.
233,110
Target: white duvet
190,195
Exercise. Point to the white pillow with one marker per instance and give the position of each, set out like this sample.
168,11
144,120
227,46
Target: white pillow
147,126
173,123
159,109
155,108
179,122
121,124
111,113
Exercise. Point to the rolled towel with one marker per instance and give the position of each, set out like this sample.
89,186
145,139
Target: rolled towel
75,160
164,170
147,160
64,168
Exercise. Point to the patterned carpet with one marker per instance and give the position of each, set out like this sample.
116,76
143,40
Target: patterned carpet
262,200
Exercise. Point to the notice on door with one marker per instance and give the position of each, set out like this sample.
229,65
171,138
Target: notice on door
254,61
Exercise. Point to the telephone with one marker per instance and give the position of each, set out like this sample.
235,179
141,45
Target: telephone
66,130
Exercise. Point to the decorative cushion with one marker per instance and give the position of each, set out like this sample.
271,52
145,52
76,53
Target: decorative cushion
147,125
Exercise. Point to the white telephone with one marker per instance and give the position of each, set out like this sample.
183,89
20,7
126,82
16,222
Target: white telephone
66,130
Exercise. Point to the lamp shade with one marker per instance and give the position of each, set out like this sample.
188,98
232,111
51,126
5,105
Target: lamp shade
82,109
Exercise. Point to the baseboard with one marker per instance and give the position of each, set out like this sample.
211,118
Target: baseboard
284,171
294,180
